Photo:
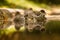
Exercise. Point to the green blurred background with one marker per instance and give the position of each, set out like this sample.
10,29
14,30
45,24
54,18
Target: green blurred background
29,3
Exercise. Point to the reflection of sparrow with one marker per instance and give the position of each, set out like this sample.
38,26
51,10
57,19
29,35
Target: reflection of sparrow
18,21
4,18
7,23
37,27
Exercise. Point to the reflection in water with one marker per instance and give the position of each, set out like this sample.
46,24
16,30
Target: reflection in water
31,36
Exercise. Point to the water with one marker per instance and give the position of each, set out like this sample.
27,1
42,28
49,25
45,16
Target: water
31,36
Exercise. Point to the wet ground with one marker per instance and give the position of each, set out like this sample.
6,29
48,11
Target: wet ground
30,36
